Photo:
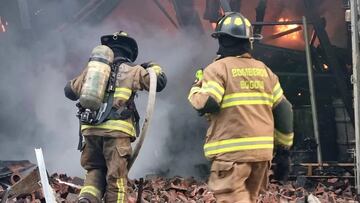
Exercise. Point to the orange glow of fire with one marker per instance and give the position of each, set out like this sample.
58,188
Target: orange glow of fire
283,28
213,25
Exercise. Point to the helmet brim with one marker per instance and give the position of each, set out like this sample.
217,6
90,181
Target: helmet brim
216,35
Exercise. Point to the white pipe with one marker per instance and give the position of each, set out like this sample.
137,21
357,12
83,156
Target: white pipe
356,83
312,93
48,191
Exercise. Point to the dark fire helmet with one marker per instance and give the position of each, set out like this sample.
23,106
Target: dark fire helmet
123,41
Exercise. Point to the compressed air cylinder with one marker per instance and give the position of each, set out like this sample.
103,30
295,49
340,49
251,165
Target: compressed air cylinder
96,78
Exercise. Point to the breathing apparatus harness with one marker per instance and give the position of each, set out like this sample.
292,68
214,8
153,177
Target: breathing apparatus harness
107,112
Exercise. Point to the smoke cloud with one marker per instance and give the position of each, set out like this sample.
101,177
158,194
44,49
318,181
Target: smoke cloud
34,70
35,112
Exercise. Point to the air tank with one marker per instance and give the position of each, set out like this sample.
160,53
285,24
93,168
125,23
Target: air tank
96,79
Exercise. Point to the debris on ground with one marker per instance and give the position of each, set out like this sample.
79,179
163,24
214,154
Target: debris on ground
177,189
155,189
334,190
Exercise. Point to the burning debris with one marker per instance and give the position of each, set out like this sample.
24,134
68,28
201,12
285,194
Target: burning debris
295,35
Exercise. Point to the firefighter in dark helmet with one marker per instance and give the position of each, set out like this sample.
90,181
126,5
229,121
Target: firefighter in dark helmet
248,114
107,148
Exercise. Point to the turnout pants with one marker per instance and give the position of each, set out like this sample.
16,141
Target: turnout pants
238,182
105,161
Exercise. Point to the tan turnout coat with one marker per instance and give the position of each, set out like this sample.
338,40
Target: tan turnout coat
246,91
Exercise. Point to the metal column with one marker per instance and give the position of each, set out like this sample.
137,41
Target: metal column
260,15
356,82
312,92
331,57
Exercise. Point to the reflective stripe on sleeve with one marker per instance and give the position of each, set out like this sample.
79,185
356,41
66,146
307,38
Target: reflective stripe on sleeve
91,190
157,69
277,93
250,98
193,90
211,87
214,88
119,125
284,139
122,92
238,144
121,190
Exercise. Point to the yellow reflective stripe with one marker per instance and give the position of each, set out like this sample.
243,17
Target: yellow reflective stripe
213,88
91,190
123,89
122,92
250,98
119,125
193,90
238,21
239,148
238,144
157,69
276,87
284,139
247,22
248,94
277,92
121,190
216,86
217,96
237,103
238,140
227,21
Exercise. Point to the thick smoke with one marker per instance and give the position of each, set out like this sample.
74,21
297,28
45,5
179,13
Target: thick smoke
35,112
34,70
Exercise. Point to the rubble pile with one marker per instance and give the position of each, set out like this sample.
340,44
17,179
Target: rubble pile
333,190
177,189
12,171
66,188
23,179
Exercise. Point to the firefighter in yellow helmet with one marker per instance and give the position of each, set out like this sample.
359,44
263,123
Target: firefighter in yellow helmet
247,112
108,135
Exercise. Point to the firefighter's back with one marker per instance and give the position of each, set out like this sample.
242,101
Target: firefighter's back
243,129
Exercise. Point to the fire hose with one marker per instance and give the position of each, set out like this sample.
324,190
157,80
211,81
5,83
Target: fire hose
148,115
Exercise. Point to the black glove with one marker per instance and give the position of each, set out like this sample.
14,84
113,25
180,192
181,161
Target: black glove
161,82
69,93
283,164
161,77
146,64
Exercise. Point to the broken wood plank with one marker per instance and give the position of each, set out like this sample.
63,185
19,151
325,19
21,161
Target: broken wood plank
26,185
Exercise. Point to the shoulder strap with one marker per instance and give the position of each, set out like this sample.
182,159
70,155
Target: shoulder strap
111,90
